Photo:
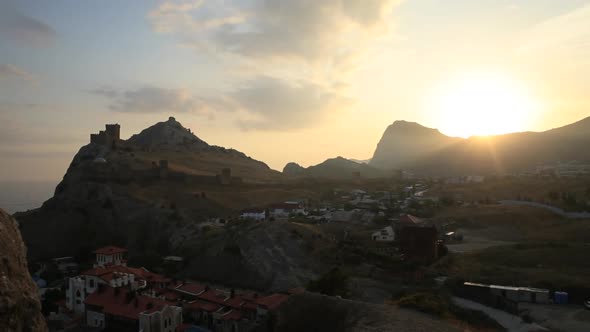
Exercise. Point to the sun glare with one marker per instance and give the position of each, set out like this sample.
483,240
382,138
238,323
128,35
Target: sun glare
481,104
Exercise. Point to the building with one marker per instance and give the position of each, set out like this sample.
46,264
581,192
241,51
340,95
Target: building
418,240
116,297
108,137
504,297
66,265
219,310
121,309
284,210
384,235
110,255
110,269
255,214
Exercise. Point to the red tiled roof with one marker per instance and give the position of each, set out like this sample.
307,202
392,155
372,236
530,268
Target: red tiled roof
295,291
410,220
214,296
286,206
249,296
121,303
235,302
191,288
109,250
169,295
232,315
203,306
273,301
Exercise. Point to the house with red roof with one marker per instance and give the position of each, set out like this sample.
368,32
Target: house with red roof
110,255
110,269
121,309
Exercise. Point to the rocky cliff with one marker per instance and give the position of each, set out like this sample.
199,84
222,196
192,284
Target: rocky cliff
20,309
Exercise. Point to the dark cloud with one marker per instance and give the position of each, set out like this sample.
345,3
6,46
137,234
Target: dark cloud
23,29
11,72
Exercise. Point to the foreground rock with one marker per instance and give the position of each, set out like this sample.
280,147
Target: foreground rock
20,309
324,313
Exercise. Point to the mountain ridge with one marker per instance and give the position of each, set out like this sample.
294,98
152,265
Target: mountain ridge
408,145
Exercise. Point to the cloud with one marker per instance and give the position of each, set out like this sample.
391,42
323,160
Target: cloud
279,104
152,99
23,29
294,57
301,30
11,72
263,102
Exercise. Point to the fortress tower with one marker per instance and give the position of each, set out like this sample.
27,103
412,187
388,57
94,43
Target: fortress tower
225,176
107,137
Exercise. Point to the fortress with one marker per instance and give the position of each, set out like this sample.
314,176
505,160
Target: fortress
107,137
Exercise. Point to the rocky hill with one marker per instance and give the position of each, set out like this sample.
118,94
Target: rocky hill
120,192
20,309
187,153
405,143
411,146
338,168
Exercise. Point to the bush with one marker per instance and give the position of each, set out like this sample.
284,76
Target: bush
429,303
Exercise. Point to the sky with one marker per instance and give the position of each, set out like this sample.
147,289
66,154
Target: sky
283,80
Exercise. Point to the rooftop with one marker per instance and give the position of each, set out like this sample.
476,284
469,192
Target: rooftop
110,250
122,302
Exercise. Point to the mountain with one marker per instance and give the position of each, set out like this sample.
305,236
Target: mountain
20,306
187,153
411,146
165,134
294,169
157,194
405,143
338,168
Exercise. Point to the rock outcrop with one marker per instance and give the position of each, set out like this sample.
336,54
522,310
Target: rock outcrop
20,309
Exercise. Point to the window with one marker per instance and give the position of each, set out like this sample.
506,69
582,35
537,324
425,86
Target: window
165,323
91,283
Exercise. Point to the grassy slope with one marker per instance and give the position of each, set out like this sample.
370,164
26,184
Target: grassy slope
549,251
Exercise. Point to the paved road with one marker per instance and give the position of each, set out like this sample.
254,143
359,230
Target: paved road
570,318
510,322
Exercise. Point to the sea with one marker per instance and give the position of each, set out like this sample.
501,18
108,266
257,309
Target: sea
17,196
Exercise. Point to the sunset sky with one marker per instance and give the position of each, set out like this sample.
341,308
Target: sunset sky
283,80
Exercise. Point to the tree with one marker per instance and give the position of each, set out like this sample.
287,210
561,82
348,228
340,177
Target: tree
333,283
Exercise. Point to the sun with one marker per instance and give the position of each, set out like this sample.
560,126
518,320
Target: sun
481,104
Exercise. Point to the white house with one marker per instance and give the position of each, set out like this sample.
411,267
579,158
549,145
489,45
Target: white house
255,214
163,318
385,235
87,282
284,210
